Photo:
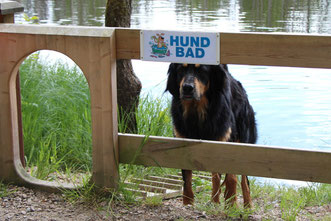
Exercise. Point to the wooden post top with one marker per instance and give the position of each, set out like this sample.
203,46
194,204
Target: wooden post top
86,31
10,7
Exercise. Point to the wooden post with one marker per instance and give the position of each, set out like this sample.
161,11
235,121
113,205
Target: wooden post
105,172
7,11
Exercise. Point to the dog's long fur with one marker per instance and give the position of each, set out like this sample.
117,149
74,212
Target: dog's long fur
208,103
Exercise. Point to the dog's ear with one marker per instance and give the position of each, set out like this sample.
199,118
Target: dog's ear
172,85
225,67
219,77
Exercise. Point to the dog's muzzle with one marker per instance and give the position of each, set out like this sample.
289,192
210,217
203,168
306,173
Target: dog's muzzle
188,91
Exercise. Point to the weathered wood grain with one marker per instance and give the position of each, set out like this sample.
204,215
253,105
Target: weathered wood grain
292,50
94,51
127,43
252,160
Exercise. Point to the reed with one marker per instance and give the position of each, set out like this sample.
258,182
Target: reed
56,117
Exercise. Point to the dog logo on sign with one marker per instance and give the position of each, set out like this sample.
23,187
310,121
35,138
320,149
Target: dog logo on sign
159,46
180,46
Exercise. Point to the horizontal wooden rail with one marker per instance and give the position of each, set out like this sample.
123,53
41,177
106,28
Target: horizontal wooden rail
252,160
292,50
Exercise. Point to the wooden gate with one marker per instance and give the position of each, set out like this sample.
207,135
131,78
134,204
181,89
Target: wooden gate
95,51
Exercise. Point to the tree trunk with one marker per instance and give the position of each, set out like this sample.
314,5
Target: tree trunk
118,14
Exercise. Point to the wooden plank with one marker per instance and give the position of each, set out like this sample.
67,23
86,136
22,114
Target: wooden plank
205,177
101,72
293,50
165,180
49,30
137,192
7,18
173,186
177,177
145,187
252,160
9,144
157,183
127,43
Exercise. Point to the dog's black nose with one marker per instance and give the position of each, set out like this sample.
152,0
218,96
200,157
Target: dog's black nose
188,88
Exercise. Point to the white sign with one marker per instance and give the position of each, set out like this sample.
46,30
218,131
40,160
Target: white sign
180,47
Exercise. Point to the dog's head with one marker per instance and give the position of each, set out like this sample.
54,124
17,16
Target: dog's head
192,81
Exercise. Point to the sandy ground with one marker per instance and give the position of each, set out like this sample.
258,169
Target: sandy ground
28,204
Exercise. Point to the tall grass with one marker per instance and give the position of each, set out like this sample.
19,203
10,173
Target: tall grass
153,117
57,117
57,125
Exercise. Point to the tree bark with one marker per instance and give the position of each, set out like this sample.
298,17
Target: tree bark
118,14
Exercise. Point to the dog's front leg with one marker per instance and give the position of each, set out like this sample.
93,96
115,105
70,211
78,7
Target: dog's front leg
216,180
246,192
230,193
188,196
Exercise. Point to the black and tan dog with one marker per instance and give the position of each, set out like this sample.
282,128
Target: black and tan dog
208,103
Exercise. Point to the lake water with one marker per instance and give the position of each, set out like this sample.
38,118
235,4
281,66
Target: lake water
292,105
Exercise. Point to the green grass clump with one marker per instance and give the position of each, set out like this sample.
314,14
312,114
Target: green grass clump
56,116
153,117
283,201
4,190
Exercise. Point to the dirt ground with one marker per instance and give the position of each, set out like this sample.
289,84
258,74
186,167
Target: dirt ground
26,204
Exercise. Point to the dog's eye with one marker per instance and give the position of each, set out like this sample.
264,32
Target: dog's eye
203,74
180,75
180,68
204,68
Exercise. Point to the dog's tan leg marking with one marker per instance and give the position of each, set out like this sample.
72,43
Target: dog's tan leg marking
216,179
185,65
230,193
197,65
188,195
246,192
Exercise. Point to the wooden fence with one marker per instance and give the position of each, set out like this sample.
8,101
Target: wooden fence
95,51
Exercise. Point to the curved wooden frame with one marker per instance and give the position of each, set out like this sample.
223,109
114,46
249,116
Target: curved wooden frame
94,51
